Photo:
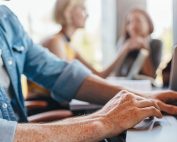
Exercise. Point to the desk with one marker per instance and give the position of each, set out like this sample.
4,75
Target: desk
165,132
135,85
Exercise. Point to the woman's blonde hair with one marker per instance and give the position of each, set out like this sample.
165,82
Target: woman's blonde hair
63,9
145,14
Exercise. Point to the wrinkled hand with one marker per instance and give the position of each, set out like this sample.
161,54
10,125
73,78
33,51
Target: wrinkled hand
126,110
162,98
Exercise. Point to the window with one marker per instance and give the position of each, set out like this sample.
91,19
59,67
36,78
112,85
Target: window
88,40
162,16
35,15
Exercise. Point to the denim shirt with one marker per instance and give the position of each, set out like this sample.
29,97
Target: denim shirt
22,56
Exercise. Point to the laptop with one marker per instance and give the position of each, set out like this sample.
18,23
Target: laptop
173,76
158,130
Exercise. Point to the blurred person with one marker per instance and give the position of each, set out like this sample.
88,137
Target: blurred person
20,55
137,35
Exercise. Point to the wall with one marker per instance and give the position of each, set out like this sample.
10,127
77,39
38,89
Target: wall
109,30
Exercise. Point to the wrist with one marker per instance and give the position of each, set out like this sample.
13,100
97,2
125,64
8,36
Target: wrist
100,130
101,124
112,129
107,127
126,49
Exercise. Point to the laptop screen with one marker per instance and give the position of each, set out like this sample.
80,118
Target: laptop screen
173,76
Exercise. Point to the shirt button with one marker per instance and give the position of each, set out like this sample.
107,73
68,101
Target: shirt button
4,105
10,62
21,48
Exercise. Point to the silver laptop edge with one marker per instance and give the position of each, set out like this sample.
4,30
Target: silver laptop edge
173,75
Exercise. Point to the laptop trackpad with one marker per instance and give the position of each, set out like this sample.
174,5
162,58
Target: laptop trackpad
160,130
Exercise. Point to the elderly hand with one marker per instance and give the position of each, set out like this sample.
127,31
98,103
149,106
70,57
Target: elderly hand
126,110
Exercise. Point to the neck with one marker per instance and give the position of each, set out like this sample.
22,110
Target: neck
69,31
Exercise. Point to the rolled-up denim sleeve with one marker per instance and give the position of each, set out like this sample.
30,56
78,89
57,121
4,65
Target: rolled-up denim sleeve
7,130
69,81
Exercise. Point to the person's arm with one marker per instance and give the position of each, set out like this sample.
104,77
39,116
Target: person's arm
117,62
97,90
90,130
122,112
126,47
56,46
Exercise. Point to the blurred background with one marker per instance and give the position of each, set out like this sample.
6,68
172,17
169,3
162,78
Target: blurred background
97,42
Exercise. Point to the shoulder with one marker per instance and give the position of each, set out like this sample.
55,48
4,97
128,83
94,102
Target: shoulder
4,10
11,23
53,41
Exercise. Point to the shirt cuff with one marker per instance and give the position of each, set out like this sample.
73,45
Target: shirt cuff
67,85
7,130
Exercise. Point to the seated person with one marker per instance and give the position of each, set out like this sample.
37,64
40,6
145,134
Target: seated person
20,55
137,35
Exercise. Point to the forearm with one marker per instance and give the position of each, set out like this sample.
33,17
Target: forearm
106,72
97,90
116,64
71,130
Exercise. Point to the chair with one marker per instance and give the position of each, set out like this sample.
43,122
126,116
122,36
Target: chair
43,114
